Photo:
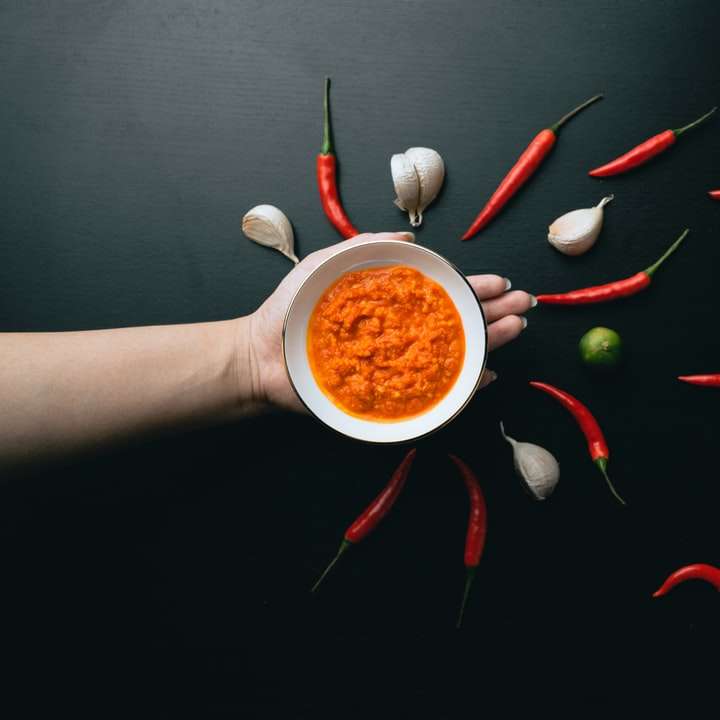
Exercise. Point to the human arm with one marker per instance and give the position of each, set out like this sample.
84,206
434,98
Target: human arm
61,392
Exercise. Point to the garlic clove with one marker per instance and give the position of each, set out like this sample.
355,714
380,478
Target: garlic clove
418,175
536,466
430,169
407,184
269,226
576,232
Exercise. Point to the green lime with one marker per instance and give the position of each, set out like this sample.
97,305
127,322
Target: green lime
601,348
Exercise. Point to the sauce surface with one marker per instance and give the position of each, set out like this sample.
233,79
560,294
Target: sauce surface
385,343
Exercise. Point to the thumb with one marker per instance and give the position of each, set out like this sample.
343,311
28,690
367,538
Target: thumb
319,256
371,237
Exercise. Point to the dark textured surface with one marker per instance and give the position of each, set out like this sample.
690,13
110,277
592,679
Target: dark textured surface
173,576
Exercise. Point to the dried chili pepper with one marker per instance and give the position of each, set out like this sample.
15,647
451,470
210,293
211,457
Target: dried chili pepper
597,446
371,517
327,176
645,151
712,380
698,571
476,529
714,194
523,169
614,290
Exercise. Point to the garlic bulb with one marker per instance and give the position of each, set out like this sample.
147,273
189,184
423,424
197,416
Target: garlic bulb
417,175
535,465
574,233
267,225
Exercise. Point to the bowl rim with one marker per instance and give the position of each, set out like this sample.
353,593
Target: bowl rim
483,366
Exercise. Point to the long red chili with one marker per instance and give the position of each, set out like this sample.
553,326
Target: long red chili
698,571
371,517
522,170
476,529
614,290
597,446
642,153
327,176
714,194
710,380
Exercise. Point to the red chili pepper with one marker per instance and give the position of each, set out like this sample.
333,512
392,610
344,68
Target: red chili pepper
714,194
699,571
708,380
597,446
327,177
614,290
642,153
526,165
476,529
370,518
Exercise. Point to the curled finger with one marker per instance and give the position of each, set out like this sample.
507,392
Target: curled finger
488,376
503,331
516,302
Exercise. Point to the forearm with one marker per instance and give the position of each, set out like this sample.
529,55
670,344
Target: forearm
64,391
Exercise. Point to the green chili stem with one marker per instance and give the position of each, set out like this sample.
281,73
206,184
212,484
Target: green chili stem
649,271
343,547
681,130
602,464
470,575
327,146
574,112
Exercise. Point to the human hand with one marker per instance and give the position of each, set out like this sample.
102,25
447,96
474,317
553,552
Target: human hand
270,382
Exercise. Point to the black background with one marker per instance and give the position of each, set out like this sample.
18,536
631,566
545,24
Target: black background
172,577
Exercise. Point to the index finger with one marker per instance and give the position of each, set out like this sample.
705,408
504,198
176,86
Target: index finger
488,286
319,256
370,237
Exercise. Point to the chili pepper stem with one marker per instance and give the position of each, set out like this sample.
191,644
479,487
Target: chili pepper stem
649,271
694,123
602,464
327,147
574,112
469,577
343,547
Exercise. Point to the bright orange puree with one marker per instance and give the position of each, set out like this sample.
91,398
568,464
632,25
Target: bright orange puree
385,343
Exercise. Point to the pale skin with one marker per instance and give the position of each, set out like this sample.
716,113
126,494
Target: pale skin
67,391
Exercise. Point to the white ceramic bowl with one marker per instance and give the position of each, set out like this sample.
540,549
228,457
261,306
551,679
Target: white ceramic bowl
373,254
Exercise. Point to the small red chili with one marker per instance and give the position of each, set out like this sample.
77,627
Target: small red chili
611,291
476,529
714,194
523,169
373,514
642,153
707,380
698,571
597,446
327,177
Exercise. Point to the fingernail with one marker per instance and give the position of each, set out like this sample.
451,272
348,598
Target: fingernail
533,301
508,284
523,320
491,376
410,237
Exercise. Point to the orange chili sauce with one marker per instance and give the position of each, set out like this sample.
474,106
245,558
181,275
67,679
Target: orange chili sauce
385,343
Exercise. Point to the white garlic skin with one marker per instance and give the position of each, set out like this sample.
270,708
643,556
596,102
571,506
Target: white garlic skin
407,185
536,466
269,226
574,233
418,175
